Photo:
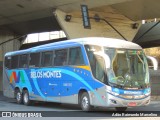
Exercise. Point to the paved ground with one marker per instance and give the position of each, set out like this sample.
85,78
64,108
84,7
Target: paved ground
63,110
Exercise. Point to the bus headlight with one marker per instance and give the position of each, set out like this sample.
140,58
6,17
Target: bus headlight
109,90
147,94
113,93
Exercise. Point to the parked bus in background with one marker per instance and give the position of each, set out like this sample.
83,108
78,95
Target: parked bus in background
100,72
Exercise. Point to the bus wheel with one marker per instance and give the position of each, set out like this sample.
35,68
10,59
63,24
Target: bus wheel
18,96
85,102
121,108
26,99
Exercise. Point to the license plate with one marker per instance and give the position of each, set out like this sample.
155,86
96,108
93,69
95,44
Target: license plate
132,104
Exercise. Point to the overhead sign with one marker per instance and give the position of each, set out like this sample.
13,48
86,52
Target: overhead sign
85,16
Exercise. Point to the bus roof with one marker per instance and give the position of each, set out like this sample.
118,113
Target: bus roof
108,42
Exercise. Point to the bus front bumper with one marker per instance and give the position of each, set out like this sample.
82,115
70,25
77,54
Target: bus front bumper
117,101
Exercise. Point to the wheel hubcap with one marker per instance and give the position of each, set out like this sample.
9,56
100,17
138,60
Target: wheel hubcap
18,96
25,97
85,102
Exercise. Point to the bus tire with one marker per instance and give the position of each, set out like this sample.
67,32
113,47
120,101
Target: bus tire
85,102
26,100
18,96
121,108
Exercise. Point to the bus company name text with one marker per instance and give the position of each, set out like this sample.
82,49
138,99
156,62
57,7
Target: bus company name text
45,74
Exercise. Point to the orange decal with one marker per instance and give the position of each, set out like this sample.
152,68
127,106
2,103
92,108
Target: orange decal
13,77
84,67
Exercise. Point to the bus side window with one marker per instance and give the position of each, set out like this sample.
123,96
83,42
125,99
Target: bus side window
47,58
60,57
34,60
23,61
14,62
98,70
75,56
8,62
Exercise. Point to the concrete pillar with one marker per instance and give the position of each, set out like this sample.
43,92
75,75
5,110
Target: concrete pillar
75,29
13,45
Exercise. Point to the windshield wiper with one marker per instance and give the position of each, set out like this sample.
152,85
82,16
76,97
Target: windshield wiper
115,85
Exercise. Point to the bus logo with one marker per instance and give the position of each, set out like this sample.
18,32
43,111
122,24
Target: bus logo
17,76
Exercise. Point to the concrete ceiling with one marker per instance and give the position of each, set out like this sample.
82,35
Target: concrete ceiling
148,39
24,12
12,11
139,9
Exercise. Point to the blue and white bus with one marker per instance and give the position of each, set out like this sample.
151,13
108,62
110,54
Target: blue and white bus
91,72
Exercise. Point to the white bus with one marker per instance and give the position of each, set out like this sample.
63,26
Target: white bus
101,72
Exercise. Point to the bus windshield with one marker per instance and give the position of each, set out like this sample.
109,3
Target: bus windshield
128,68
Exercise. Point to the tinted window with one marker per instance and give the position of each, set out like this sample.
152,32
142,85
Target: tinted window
23,61
34,60
75,56
98,67
97,63
60,57
47,59
8,62
14,62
